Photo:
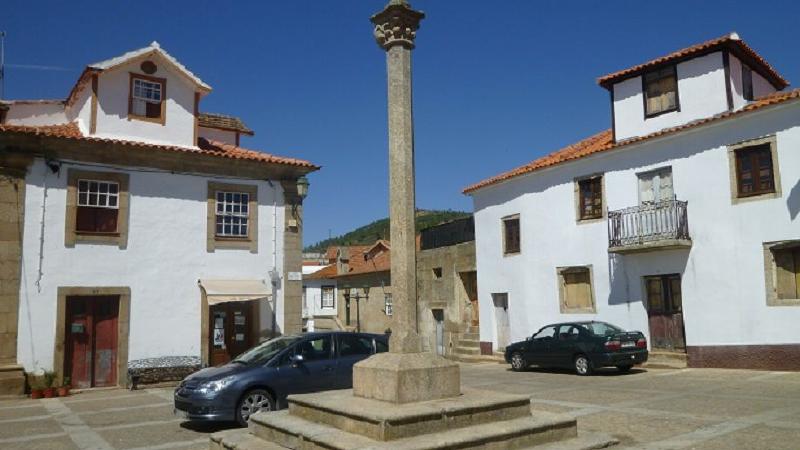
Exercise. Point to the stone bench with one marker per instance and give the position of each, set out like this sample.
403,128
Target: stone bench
158,370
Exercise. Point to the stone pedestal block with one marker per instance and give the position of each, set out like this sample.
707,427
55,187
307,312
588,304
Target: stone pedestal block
12,380
406,377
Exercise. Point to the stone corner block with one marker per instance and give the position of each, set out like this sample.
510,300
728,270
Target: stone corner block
406,377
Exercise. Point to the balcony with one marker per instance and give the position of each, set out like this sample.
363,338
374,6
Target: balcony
650,227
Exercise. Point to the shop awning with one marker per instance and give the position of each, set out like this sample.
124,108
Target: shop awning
222,291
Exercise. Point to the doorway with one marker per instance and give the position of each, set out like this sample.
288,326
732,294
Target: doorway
231,332
438,318
470,282
91,340
665,312
501,319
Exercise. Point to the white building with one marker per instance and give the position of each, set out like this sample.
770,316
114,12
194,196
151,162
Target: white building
319,296
680,221
135,227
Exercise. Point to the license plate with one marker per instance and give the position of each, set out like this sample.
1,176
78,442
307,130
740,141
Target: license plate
628,344
180,413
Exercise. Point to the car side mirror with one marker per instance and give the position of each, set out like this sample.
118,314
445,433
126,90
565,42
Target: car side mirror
296,360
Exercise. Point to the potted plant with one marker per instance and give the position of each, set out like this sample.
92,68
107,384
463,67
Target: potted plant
36,387
49,390
63,391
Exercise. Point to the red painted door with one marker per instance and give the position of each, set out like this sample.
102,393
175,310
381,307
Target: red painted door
91,331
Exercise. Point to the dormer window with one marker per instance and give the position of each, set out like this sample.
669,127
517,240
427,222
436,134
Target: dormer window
146,101
747,83
660,91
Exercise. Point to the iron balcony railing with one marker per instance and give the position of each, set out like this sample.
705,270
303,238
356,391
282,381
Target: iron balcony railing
648,223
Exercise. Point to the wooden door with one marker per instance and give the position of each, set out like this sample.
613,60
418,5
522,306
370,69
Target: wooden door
231,330
470,281
665,312
91,340
501,319
438,318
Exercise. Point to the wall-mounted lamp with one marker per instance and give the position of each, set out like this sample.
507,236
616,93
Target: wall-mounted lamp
302,188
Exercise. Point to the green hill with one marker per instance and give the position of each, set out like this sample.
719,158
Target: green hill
379,229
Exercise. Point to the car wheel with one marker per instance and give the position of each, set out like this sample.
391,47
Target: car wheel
583,366
518,362
624,368
252,402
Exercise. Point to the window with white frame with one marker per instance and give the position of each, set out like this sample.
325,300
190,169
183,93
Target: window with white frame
327,297
233,209
387,304
98,206
146,98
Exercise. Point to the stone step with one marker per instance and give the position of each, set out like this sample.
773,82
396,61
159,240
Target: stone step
469,343
239,439
372,419
294,432
473,329
471,336
666,360
477,358
460,350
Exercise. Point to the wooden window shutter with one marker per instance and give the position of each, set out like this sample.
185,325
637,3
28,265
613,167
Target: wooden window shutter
577,289
786,272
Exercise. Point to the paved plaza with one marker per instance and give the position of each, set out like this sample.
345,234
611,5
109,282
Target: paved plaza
648,409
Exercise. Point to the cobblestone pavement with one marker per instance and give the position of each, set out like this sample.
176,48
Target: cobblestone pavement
646,409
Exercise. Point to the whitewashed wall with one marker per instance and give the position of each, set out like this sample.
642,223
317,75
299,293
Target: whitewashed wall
36,114
214,134
165,257
761,86
701,89
722,275
112,112
313,290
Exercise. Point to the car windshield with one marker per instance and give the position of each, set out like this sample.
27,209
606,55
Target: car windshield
603,329
262,353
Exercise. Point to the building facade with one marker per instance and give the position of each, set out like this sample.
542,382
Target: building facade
680,221
447,290
142,234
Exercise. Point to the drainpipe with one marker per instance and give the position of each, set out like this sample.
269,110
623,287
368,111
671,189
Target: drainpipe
274,274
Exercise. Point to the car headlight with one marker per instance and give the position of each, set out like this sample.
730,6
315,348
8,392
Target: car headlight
212,387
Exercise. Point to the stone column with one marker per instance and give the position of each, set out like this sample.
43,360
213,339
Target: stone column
395,30
292,259
12,212
406,374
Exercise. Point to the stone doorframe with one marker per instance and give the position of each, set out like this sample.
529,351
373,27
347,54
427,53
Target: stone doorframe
205,310
123,327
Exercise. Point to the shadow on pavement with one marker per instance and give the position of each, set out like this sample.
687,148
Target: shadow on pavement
602,372
208,427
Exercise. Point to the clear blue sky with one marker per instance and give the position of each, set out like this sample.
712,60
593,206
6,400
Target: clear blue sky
496,83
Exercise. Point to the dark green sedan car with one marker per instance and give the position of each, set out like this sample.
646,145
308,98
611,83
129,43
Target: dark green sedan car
582,346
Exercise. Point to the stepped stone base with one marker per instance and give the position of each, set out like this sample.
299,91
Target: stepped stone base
476,419
406,377
12,380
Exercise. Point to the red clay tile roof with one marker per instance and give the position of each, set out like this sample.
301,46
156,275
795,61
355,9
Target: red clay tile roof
359,265
325,273
730,41
205,146
223,122
603,141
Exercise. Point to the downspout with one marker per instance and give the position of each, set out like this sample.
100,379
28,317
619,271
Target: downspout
274,275
39,272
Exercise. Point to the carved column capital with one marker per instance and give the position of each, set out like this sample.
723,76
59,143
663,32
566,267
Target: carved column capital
397,24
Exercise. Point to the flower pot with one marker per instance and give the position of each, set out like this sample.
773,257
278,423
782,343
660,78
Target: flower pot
63,391
36,393
49,392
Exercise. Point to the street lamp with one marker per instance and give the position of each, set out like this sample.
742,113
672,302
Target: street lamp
302,188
